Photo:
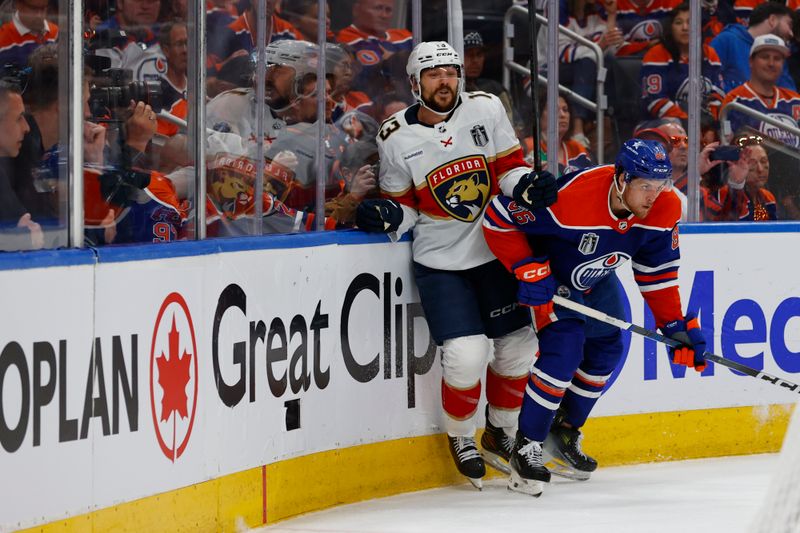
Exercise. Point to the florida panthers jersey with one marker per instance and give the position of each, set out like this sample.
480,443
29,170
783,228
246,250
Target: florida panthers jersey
585,242
785,107
234,112
445,174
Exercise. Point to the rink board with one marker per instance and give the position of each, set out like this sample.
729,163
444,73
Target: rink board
205,385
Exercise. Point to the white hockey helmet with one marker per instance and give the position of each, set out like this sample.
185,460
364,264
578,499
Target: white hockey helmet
301,56
433,54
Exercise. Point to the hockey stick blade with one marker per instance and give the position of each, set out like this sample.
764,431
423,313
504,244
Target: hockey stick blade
627,326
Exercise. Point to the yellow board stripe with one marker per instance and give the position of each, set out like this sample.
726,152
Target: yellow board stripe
321,480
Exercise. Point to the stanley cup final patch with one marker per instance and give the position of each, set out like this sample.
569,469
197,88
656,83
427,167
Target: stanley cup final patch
479,136
588,243
462,187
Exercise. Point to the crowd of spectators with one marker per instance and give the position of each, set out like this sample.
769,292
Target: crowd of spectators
139,172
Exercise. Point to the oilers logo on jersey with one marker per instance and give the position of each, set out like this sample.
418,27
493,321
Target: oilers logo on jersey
587,274
780,134
461,187
645,31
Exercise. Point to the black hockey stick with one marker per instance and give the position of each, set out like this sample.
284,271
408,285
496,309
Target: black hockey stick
627,326
534,63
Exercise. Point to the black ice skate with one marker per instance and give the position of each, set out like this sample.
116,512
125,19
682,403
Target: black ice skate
564,456
468,461
497,446
528,473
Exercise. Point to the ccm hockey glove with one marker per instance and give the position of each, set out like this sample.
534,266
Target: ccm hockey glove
379,215
536,285
536,191
693,345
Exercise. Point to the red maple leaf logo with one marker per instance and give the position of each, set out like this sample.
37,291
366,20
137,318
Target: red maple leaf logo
173,375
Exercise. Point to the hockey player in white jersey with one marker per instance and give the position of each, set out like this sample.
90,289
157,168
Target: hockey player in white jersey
289,65
441,160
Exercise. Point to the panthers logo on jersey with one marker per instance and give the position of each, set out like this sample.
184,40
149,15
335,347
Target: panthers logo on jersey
461,187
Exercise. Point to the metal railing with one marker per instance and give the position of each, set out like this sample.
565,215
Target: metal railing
510,65
724,125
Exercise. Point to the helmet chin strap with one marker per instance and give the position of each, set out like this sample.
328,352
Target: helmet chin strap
621,191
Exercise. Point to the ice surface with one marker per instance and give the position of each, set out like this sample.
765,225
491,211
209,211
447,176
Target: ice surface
707,495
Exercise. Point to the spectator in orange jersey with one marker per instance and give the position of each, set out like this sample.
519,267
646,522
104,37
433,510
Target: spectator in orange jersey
219,13
382,51
665,72
759,201
27,30
642,23
174,39
303,15
716,199
240,35
763,93
344,68
572,155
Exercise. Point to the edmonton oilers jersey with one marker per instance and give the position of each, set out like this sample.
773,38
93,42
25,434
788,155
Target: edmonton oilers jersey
585,242
444,175
784,106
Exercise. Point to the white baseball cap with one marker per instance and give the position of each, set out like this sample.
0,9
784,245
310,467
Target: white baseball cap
769,41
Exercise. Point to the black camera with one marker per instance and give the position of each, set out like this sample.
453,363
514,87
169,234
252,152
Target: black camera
114,89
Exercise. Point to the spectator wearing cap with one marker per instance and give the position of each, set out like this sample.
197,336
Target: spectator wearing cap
382,51
474,59
734,44
27,30
763,93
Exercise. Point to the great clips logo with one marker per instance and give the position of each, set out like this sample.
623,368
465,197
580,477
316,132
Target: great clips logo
587,274
173,376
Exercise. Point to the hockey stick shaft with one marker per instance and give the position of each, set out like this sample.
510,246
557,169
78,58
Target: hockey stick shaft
537,158
653,335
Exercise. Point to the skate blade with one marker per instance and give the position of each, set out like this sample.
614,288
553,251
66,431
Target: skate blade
558,465
561,469
531,487
476,482
496,462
